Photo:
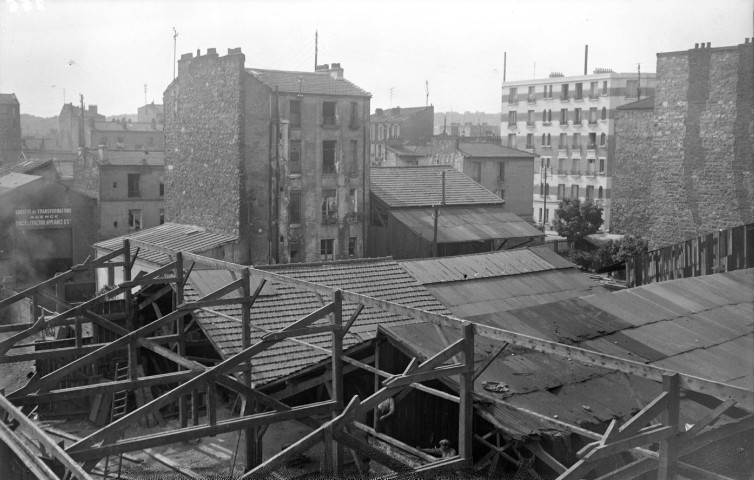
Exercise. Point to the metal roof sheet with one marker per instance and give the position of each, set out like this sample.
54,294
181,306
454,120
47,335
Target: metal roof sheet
466,224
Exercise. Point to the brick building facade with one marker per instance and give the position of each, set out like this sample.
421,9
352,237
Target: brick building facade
702,161
273,157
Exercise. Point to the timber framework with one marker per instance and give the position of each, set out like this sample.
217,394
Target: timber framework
343,436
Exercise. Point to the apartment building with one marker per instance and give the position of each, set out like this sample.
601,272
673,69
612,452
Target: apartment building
568,122
399,127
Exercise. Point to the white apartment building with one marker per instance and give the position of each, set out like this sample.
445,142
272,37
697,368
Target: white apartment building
568,122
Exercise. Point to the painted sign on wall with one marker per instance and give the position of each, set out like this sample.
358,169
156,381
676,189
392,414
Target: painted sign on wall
37,218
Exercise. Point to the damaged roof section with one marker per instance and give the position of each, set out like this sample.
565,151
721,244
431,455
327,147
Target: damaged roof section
281,304
698,326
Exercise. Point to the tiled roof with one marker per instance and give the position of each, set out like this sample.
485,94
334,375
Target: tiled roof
422,187
8,99
316,83
282,304
700,326
26,165
492,150
647,103
397,114
175,236
466,224
132,127
411,150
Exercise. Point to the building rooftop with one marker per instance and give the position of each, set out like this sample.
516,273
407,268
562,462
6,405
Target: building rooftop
411,150
128,127
25,165
492,150
311,83
14,180
699,326
175,236
647,103
281,304
396,114
8,99
152,158
422,187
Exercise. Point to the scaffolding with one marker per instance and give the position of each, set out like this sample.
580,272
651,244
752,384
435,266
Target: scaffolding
338,436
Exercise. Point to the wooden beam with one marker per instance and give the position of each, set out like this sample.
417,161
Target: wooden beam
264,469
373,453
644,416
394,442
352,319
654,434
299,332
549,460
466,390
192,432
707,420
631,470
666,469
488,361
29,458
423,376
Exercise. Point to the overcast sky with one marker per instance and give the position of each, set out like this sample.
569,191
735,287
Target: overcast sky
108,50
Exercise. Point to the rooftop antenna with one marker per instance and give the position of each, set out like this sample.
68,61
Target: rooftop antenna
505,64
391,96
426,87
145,94
316,48
638,83
175,41
586,57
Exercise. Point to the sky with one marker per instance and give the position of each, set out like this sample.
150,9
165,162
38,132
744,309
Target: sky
52,51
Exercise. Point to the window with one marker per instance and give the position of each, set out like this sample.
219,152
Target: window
501,171
563,116
592,141
564,91
593,90
476,171
328,157
162,216
328,113
590,166
295,115
329,206
574,191
134,220
604,88
353,200
326,249
548,91
602,165
115,184
593,115
603,140
632,88
150,142
294,252
604,113
590,192
599,193
561,191
513,95
103,141
544,189
294,207
547,140
576,166
354,123
512,140
579,91
532,96
380,132
540,215
530,118
529,141
576,140
511,118
352,246
162,189
562,165
133,185
577,116
563,142
354,164
294,156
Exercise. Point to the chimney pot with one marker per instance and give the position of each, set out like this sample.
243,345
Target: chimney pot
211,51
709,44
187,56
696,45
746,40
198,52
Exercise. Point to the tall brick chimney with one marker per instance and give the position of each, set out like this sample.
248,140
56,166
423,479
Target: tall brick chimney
336,71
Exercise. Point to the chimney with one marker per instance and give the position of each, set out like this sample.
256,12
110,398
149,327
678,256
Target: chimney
322,68
93,109
746,40
212,52
336,71
696,45
234,51
709,44
396,110
379,112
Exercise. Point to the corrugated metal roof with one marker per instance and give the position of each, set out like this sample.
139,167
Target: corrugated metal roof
175,236
26,165
379,278
711,337
483,265
422,187
317,83
466,224
14,180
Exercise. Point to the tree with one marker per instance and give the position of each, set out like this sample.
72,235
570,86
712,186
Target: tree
575,219
613,251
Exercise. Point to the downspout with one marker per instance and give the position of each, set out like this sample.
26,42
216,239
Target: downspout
276,195
364,181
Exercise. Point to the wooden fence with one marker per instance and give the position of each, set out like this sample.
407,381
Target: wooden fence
721,251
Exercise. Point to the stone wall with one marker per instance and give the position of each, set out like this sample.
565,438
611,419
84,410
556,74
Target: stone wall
702,164
204,126
632,179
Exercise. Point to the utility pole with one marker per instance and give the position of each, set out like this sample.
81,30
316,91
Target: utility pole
426,87
586,57
505,64
391,96
82,137
638,83
145,94
175,42
316,48
545,191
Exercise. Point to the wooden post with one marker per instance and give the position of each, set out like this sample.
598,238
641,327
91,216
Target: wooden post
337,373
670,417
179,330
252,437
377,379
466,410
130,313
194,406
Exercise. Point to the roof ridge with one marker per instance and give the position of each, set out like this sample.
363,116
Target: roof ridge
350,261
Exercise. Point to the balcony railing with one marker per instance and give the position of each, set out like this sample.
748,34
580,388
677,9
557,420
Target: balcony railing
329,217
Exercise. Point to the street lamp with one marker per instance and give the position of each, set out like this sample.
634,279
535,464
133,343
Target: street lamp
545,191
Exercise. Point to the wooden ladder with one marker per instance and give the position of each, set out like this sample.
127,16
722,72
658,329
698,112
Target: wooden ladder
114,463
